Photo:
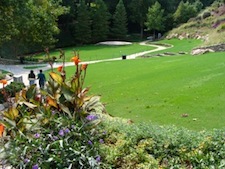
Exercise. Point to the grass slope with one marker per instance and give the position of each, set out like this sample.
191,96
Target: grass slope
99,52
162,89
185,45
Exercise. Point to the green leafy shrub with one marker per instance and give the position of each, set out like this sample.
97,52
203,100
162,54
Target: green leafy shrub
31,59
10,90
161,147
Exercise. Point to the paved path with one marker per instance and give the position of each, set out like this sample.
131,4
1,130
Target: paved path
18,70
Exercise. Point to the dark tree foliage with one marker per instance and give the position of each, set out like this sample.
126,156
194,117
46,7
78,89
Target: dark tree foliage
138,11
100,21
83,24
119,25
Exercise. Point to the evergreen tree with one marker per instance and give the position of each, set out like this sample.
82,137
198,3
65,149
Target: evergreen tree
83,24
100,21
155,18
119,27
184,12
138,12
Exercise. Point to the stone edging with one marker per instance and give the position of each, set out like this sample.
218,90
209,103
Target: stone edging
213,48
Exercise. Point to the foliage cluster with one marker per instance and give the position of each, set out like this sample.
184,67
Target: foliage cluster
38,24
149,146
186,10
55,127
10,91
155,18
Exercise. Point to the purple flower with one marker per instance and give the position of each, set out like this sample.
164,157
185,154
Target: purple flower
90,143
53,112
91,117
26,160
35,166
66,130
98,159
61,132
55,138
37,135
101,141
72,126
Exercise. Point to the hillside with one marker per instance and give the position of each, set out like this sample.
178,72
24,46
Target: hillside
209,25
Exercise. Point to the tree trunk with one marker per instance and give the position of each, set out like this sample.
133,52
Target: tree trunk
142,31
153,34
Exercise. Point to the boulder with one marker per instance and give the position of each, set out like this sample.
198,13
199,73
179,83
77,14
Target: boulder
201,51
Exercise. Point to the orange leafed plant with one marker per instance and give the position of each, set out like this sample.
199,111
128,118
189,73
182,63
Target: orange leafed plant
1,129
84,66
3,81
76,60
60,68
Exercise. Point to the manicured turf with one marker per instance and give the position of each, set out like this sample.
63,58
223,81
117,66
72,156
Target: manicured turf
185,45
162,90
183,90
98,52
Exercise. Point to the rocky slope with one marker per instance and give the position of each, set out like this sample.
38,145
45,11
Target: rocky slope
209,26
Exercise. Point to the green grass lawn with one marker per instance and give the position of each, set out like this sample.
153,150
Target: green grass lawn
33,67
98,52
163,89
185,45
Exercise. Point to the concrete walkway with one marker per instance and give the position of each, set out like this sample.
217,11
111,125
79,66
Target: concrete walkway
19,71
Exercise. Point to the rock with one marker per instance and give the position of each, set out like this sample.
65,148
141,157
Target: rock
201,51
185,115
214,48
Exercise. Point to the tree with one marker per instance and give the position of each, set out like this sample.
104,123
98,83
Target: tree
83,24
184,12
119,27
138,9
7,26
155,18
100,21
30,21
198,5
